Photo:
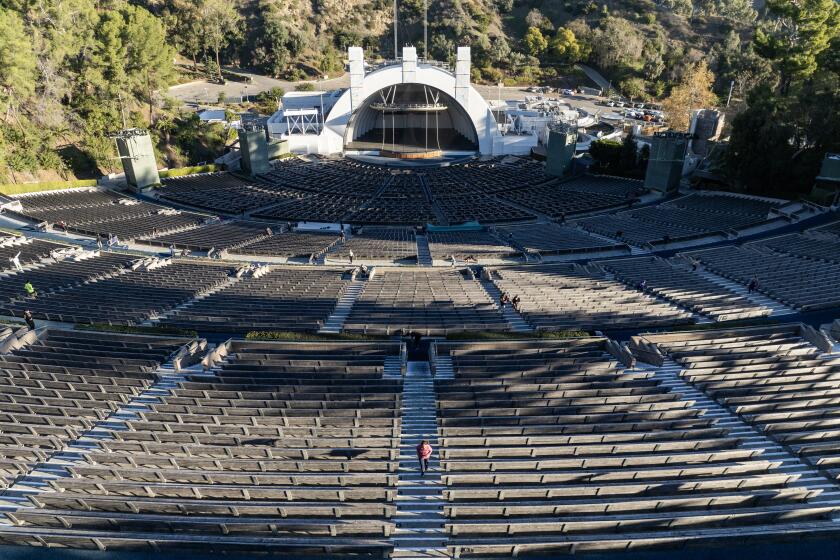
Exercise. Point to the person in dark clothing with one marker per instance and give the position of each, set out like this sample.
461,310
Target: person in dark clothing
642,285
515,302
424,451
753,285
416,337
504,299
30,322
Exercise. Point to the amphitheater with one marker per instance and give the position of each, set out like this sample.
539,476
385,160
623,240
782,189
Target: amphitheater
640,401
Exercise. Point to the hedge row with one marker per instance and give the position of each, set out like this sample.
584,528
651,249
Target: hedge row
181,171
22,188
137,329
289,336
494,335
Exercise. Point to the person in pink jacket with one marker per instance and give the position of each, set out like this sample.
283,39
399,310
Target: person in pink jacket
424,451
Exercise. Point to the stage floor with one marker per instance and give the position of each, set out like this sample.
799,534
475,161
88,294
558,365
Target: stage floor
374,158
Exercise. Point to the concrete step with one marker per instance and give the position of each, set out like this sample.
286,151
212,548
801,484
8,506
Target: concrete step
419,518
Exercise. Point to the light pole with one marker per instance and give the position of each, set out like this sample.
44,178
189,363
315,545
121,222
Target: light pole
731,87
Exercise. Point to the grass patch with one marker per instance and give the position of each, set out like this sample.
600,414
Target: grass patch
289,336
182,171
494,335
22,188
285,155
137,329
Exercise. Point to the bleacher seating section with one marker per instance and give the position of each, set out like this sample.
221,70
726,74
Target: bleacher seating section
402,200
52,275
806,246
552,448
425,301
689,217
552,239
557,199
121,296
677,283
286,299
220,236
287,449
28,251
463,244
344,190
801,282
770,377
290,244
102,213
223,193
60,386
373,242
557,297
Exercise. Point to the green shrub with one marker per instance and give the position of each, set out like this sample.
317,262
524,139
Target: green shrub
290,336
137,329
493,335
21,188
181,171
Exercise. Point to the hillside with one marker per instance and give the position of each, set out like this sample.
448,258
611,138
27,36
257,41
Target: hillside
645,44
73,71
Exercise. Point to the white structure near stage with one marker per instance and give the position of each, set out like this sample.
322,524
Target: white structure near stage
404,105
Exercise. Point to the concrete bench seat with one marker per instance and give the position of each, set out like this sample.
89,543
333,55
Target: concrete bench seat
229,526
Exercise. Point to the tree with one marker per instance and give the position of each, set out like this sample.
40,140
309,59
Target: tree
738,64
761,154
778,142
634,88
219,22
693,92
795,35
535,18
184,28
535,43
565,46
607,154
499,50
17,65
149,60
617,43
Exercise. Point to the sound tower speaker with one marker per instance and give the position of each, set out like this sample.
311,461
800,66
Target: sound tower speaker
560,150
138,158
667,157
254,149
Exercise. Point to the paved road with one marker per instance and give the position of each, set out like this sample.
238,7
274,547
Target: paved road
202,91
595,76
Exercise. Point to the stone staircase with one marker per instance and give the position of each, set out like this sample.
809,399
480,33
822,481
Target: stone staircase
513,318
444,369
419,520
393,368
335,322
424,255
